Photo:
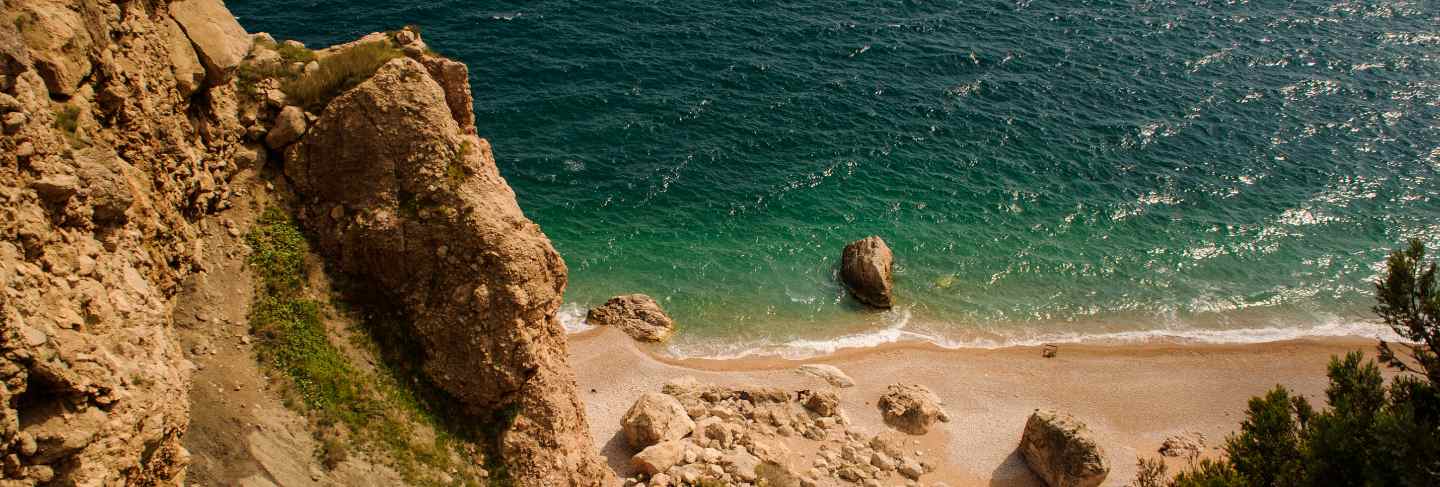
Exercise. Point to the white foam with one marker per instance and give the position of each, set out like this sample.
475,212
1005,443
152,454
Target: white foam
897,330
572,317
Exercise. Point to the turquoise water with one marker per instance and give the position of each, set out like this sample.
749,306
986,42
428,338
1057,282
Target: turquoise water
1042,170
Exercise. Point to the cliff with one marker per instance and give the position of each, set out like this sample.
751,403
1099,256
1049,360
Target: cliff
133,129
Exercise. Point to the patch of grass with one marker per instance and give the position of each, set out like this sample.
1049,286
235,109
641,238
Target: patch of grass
339,72
385,409
248,75
295,54
67,120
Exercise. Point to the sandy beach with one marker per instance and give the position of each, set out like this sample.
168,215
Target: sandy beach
1131,396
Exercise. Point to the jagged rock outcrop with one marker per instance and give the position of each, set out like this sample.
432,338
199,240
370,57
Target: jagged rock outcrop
637,315
1058,448
400,194
866,267
106,163
746,435
911,408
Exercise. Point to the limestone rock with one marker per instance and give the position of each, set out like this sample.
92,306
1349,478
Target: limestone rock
454,79
59,44
637,315
866,267
830,373
1058,448
217,36
289,126
655,418
185,63
911,408
107,188
658,457
56,188
486,310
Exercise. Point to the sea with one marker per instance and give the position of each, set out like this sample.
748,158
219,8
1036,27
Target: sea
1044,171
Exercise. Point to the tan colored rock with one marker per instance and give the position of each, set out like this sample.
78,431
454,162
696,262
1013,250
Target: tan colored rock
655,418
659,457
637,315
289,126
866,267
454,79
1058,448
822,403
59,44
185,65
830,373
389,149
107,188
911,408
217,36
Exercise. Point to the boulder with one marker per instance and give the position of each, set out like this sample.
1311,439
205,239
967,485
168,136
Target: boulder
658,457
185,63
107,188
637,315
289,126
1057,447
830,373
911,408
59,44
654,418
866,268
217,36
389,152
822,403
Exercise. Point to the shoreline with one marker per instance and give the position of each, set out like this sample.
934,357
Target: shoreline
1133,396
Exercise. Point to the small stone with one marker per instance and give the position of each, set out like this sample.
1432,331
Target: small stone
27,444
25,150
56,188
13,121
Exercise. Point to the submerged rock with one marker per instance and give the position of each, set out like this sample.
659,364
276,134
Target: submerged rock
637,315
866,267
1057,447
911,408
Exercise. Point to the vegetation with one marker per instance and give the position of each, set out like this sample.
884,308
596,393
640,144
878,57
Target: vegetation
67,121
1372,434
387,409
338,72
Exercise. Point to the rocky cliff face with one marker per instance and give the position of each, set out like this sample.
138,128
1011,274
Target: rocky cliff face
400,193
122,128
113,145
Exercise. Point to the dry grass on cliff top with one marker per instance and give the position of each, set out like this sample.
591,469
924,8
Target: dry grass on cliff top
338,72
390,410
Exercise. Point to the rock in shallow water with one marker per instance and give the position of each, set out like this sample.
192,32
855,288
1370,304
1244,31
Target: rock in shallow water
637,315
866,267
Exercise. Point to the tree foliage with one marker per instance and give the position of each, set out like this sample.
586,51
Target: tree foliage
1371,434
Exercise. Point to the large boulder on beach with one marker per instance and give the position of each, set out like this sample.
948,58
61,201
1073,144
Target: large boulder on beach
911,408
637,315
655,418
659,457
866,267
1058,448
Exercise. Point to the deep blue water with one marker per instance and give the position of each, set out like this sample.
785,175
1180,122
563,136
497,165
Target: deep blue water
1042,170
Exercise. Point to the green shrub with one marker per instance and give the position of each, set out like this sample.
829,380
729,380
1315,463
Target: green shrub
295,54
339,72
67,119
1371,434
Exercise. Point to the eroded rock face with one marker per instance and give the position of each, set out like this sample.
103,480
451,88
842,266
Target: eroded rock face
105,166
426,217
911,408
866,267
1058,448
637,315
